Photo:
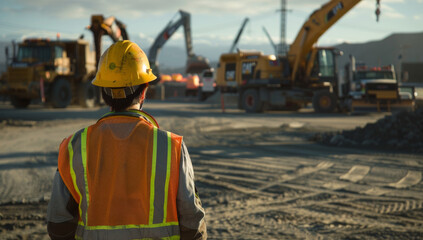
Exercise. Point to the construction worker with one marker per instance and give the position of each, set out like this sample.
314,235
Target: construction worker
124,177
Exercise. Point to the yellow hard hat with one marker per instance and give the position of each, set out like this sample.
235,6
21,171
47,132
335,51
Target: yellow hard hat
124,64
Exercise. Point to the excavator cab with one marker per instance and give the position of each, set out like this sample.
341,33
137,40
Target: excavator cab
324,67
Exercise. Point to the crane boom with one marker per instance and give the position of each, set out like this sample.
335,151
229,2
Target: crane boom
231,50
270,40
315,26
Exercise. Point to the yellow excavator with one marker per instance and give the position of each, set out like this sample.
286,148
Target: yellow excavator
308,74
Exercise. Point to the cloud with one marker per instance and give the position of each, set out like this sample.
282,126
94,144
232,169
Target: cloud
137,8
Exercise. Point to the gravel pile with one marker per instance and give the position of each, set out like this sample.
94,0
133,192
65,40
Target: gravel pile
401,131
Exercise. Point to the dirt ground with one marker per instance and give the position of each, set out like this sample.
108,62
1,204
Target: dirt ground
259,175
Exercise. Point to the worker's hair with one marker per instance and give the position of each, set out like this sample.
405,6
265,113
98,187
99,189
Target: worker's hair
120,104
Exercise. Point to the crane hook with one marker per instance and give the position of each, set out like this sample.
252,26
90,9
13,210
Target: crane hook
377,10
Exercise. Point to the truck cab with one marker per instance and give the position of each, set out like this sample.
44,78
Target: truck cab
35,59
50,71
237,69
368,82
376,87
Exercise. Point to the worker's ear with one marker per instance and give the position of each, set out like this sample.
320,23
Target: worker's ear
143,93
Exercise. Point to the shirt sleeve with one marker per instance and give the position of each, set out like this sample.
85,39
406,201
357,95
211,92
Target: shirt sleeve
57,211
190,212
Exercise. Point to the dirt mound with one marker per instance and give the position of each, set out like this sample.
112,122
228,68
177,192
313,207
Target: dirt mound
401,131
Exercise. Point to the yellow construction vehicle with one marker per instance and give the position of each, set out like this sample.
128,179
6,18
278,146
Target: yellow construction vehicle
377,88
308,74
50,71
58,72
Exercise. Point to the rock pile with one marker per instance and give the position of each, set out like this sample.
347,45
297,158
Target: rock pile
401,131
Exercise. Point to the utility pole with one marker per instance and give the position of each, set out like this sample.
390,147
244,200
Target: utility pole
282,48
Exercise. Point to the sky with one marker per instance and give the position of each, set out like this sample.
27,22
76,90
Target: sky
213,22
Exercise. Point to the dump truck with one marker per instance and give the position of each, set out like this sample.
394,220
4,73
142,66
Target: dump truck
55,72
307,74
58,72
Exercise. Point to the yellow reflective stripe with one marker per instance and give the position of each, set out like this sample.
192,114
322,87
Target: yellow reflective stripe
152,120
84,163
175,237
153,177
155,225
73,175
144,114
169,160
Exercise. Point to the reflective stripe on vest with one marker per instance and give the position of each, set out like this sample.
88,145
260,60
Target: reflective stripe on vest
133,113
157,227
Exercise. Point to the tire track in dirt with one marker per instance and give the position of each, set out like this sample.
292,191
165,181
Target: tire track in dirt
298,204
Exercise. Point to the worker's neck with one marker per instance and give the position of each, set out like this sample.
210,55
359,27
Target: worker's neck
136,106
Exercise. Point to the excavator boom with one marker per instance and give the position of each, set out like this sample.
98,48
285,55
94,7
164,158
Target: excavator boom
315,26
194,63
166,33
110,26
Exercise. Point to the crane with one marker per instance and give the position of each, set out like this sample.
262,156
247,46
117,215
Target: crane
231,50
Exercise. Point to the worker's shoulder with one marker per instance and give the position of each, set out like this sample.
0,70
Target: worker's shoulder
172,134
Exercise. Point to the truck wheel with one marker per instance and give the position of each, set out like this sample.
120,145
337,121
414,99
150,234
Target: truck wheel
87,94
18,102
61,94
324,102
251,101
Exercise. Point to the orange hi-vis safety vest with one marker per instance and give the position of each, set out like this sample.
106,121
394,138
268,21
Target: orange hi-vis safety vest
124,173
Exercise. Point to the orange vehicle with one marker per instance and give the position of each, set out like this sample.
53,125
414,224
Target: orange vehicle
193,82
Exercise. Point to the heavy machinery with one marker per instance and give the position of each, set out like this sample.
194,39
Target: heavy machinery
195,64
207,83
52,71
238,36
374,87
308,74
58,72
111,27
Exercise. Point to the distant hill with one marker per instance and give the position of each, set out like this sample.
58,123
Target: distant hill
394,49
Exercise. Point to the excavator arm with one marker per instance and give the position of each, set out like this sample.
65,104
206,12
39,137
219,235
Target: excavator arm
166,33
110,26
195,64
315,26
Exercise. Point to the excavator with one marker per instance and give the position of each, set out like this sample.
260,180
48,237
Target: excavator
195,64
307,74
